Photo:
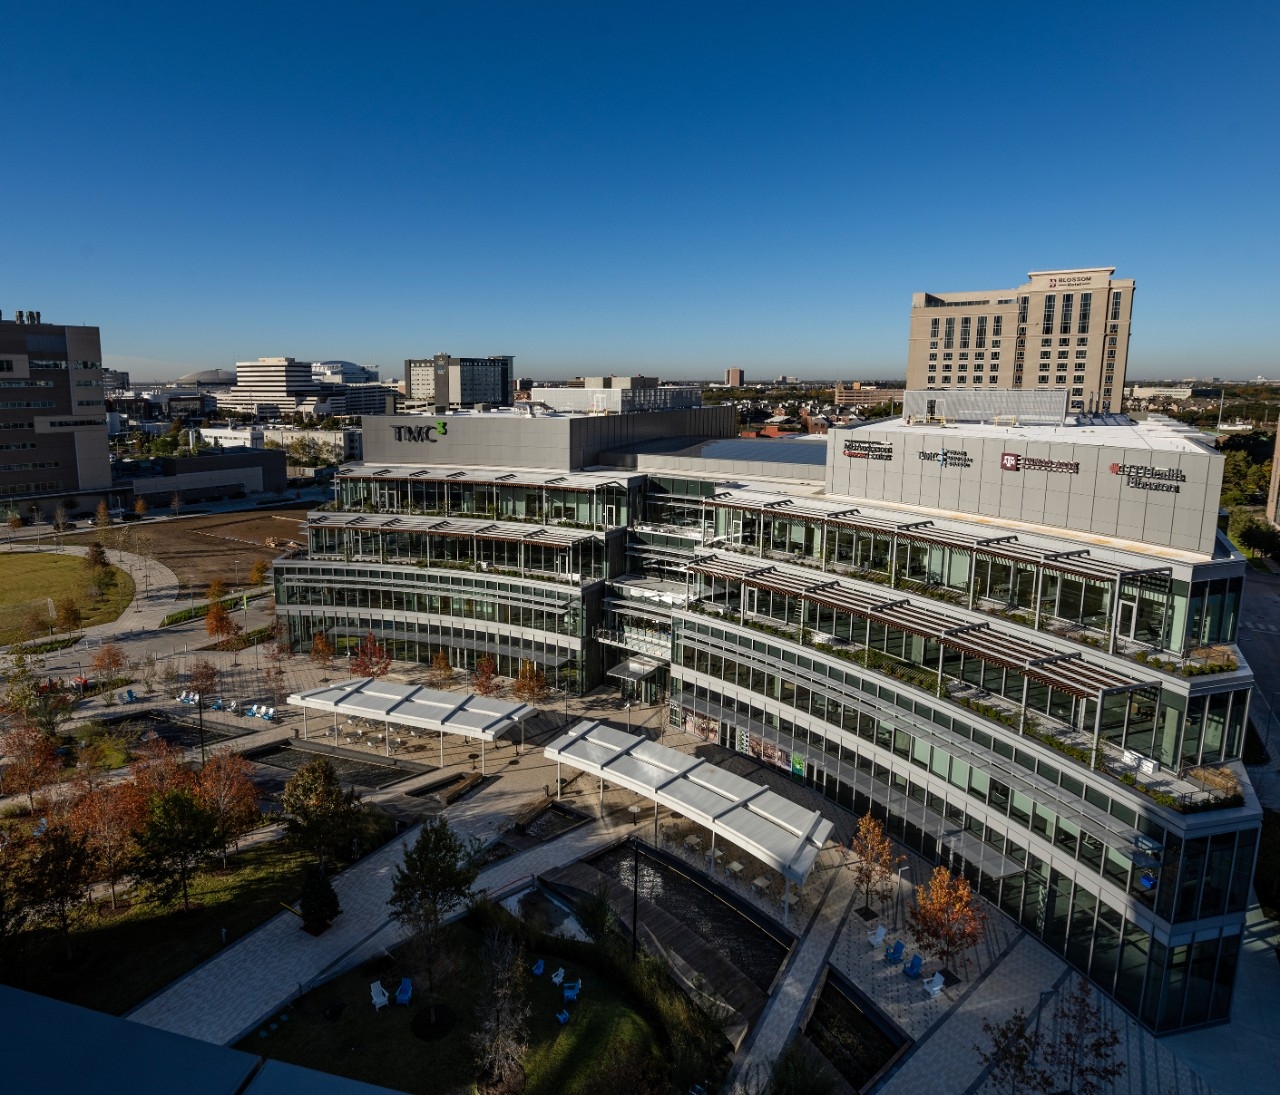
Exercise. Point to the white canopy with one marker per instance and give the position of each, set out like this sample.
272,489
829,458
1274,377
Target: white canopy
774,829
423,708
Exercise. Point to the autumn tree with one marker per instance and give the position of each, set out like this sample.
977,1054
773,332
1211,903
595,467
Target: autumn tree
485,678
110,661
321,650
531,685
59,518
216,590
140,507
280,649
441,672
945,920
107,815
59,871
225,789
159,769
102,515
175,503
67,613
1082,1054
259,571
219,623
370,658
875,863
321,814
176,836
1010,1055
501,1037
13,523
33,761
204,678
34,622
435,877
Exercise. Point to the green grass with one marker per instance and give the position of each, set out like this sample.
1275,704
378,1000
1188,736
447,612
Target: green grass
380,1047
119,960
35,577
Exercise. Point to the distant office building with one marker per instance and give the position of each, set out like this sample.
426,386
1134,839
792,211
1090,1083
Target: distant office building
272,387
53,419
618,395
342,372
1148,391
114,381
734,378
445,381
1063,329
863,395
363,399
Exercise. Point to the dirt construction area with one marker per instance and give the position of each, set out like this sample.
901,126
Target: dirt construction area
216,545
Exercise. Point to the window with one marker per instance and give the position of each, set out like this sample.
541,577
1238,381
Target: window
1077,391
6,366
1082,342
977,366
995,344
933,345
933,327
1081,354
961,379
1050,303
964,357
1019,355
1044,366
947,356
964,365
1086,303
1060,380
1064,342
1062,355
997,327
933,365
965,323
1113,341
1106,392
1078,378
1068,302
933,357
1045,355
1022,309
1043,379
995,355
1111,354
1046,342
949,342
1115,304
979,355
995,366
981,340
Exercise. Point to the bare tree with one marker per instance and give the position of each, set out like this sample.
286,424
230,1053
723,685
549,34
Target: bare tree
501,1038
1082,1054
1010,1055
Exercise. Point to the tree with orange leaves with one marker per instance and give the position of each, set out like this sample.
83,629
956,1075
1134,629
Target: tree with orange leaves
219,622
321,650
159,769
945,920
485,678
875,862
371,658
33,761
226,791
107,816
110,661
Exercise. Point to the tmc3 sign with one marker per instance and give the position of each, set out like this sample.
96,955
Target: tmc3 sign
420,433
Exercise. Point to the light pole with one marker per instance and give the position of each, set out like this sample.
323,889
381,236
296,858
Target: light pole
897,897
1047,994
635,896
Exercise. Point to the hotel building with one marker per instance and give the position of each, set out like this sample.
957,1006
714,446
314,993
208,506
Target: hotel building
1014,644
1064,329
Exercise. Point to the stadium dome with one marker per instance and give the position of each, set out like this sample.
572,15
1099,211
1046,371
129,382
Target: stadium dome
209,376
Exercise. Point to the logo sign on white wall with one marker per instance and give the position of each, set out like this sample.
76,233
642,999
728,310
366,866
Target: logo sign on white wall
949,458
1012,461
1142,477
868,450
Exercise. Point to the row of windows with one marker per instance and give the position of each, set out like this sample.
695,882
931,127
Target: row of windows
25,405
1165,986
39,465
26,383
32,488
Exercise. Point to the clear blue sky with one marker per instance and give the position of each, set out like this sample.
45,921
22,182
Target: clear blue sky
666,187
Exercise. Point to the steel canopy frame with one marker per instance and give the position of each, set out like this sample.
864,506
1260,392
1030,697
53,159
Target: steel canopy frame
774,829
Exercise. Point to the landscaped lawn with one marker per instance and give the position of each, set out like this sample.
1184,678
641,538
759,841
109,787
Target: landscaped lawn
121,959
32,576
336,1029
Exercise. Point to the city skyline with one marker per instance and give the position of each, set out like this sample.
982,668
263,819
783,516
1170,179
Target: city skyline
595,192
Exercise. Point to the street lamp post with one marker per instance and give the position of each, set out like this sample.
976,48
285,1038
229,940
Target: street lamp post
897,897
635,896
1047,994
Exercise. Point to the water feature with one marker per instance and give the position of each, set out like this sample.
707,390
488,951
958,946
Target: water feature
857,1045
362,773
740,940
554,821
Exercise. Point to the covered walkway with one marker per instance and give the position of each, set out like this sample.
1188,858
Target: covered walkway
417,708
775,830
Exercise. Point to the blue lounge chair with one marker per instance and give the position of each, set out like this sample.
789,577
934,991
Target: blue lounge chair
575,985
558,977
538,967
405,992
216,705
379,995
894,953
132,697
570,994
912,968
563,1016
